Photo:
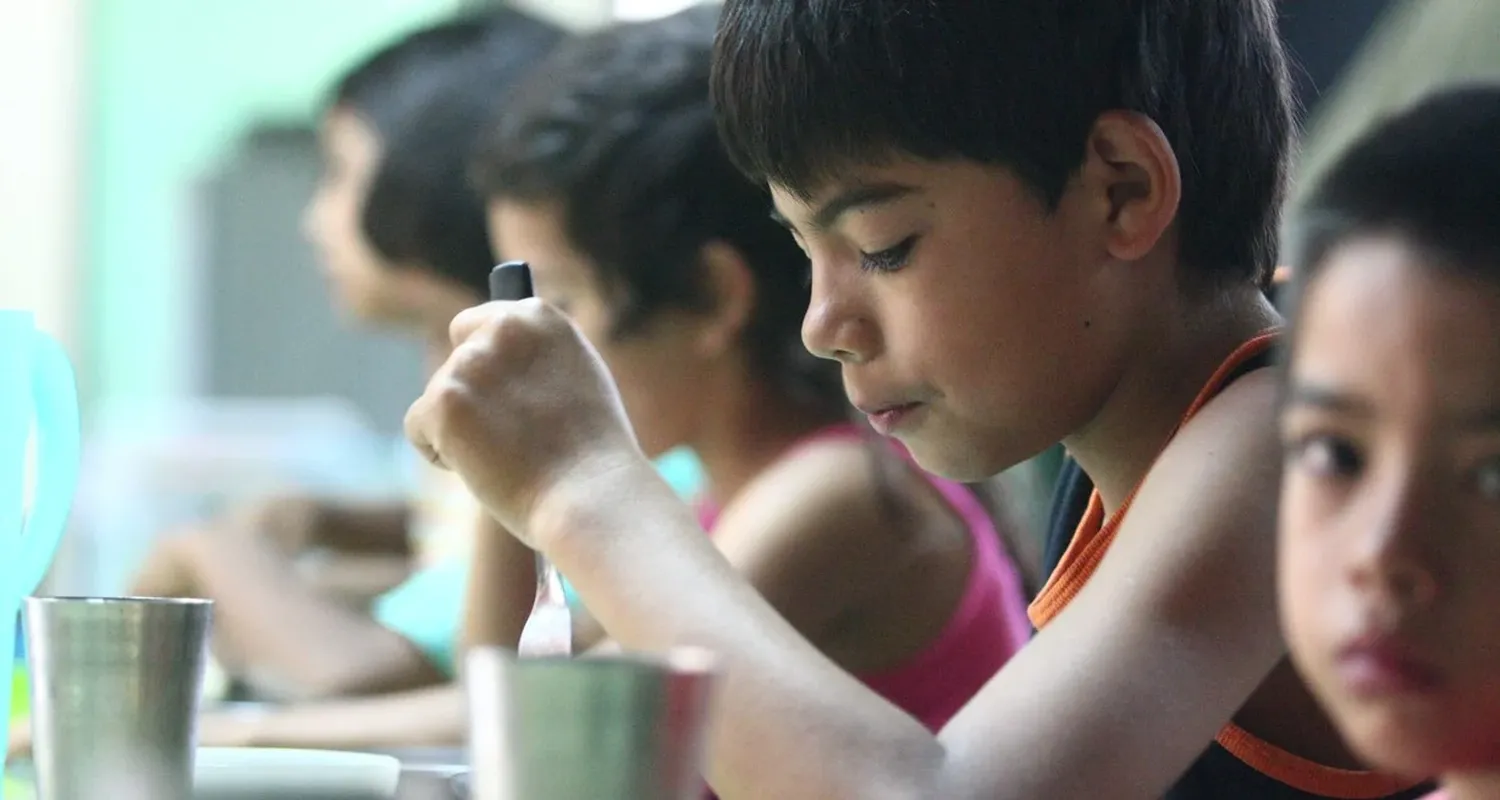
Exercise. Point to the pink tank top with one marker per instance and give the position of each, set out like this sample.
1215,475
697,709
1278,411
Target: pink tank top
986,629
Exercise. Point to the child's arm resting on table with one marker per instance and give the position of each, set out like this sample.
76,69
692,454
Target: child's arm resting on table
433,717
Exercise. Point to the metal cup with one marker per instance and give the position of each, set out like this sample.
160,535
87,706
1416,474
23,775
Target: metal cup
625,727
114,694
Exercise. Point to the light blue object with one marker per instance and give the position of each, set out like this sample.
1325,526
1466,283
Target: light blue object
682,471
38,395
427,609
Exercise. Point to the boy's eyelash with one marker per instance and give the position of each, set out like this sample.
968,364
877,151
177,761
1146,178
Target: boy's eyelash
889,259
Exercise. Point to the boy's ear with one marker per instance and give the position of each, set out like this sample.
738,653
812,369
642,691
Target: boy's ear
731,284
1129,166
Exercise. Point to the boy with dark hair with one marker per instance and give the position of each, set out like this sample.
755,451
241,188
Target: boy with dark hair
1029,221
1391,496
607,175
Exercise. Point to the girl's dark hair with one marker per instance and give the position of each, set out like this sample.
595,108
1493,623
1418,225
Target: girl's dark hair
429,97
1429,175
616,128
805,89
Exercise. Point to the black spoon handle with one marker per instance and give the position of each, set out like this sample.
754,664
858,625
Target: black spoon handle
510,281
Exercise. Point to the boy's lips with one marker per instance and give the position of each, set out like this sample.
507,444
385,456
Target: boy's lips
1381,664
887,418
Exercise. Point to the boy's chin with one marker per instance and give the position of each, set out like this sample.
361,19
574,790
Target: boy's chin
954,459
1415,744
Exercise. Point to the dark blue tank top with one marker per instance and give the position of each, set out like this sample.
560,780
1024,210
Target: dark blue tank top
1217,774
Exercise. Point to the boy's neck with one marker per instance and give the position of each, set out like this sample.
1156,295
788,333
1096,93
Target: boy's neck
1117,448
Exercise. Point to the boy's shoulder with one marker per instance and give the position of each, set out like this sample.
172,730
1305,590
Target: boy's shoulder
1244,411
1241,415
1206,510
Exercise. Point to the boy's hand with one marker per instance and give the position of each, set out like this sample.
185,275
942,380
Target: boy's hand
522,405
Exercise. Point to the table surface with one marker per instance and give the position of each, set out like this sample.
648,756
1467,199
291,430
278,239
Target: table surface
426,774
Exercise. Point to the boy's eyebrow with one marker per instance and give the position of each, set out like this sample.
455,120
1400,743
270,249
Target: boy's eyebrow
854,198
857,198
1326,398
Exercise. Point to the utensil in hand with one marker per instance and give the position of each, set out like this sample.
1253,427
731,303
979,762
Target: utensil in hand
549,631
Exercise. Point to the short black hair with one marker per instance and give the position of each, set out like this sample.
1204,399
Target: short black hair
384,85
807,88
429,97
616,128
1429,175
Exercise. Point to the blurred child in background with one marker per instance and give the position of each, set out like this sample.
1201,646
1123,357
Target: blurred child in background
1390,511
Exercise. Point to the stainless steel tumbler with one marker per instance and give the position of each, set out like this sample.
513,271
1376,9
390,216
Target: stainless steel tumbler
624,727
114,694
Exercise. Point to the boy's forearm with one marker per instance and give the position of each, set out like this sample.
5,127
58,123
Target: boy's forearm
827,734
432,717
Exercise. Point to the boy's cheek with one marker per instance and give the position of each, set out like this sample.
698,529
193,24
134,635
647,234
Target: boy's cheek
1306,578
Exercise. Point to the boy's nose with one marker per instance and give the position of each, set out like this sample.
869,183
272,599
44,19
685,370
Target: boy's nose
837,328
1394,556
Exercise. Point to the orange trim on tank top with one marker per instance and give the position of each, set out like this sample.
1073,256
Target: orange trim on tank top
1095,533
1090,542
1307,776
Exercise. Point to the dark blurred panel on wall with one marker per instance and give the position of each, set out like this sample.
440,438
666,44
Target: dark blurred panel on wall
1322,36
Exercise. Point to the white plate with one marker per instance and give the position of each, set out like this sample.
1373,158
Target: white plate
250,773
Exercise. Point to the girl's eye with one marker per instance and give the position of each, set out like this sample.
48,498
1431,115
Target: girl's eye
889,259
1325,456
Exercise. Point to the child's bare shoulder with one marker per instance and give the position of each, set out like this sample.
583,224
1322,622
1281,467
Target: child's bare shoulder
1233,434
1204,519
831,482
824,510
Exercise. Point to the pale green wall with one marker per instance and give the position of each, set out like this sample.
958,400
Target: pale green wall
172,83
